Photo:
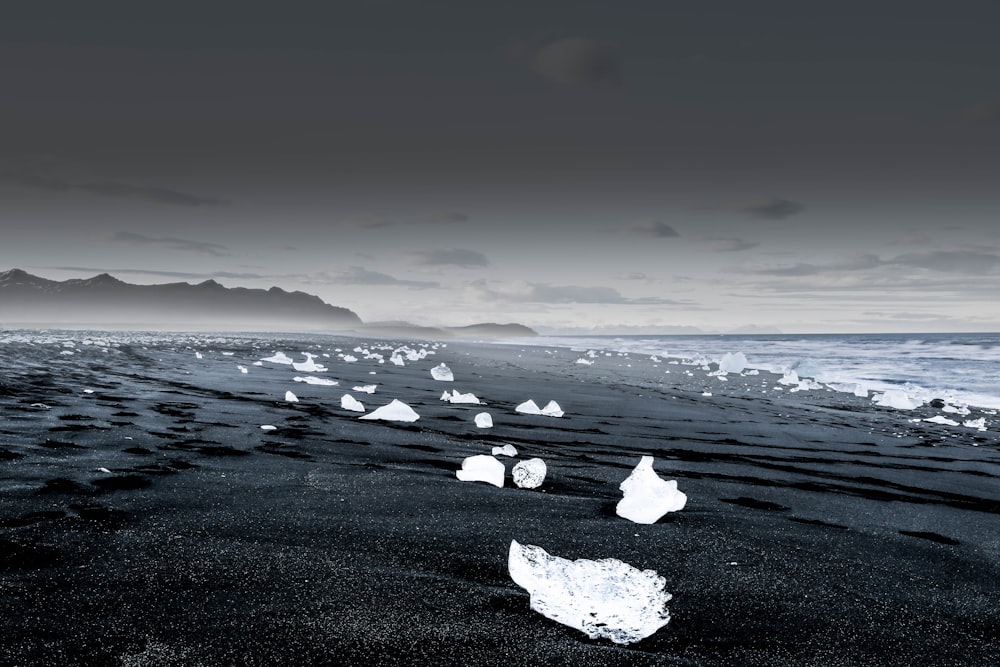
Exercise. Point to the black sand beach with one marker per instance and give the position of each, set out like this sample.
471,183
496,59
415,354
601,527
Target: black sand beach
819,529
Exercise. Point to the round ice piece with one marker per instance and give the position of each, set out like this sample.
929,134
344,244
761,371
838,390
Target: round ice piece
506,450
291,398
484,420
348,402
529,474
396,411
603,598
733,363
482,468
442,373
646,496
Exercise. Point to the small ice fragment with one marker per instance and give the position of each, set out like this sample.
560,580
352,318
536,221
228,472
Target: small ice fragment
552,409
258,363
40,406
484,420
366,388
584,362
706,393
228,354
311,379
470,399
291,398
198,355
348,402
529,474
944,421
482,468
88,391
896,398
979,424
268,427
442,373
603,598
396,411
243,369
104,470
279,358
647,497
309,365
506,450
529,407
349,358
397,360
446,395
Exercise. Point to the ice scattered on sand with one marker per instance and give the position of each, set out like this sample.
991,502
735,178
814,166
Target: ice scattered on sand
646,496
944,421
961,410
529,407
484,420
349,358
366,388
584,362
279,358
291,398
733,362
482,468
309,379
896,398
396,411
40,406
790,378
197,355
529,474
442,373
243,369
88,391
603,598
979,424
268,427
506,450
397,360
258,363
348,402
456,397
552,409
855,388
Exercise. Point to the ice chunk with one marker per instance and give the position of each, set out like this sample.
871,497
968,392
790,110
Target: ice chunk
552,409
397,360
484,420
506,450
310,379
584,362
291,398
464,398
529,407
268,427
396,411
733,363
279,358
482,468
309,365
197,355
646,496
529,474
979,424
896,398
442,373
944,421
243,369
603,598
446,395
348,402
366,388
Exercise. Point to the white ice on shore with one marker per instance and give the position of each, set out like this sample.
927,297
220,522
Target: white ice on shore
979,424
442,373
309,379
456,397
529,407
366,388
484,420
733,362
309,365
482,468
552,409
943,421
279,358
603,598
268,427
348,402
243,369
584,362
291,398
646,496
506,450
896,398
529,474
396,411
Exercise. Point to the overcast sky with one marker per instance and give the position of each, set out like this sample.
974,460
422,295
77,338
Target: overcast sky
627,165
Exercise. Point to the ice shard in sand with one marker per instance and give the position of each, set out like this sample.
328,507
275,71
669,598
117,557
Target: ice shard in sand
482,468
484,420
603,598
646,496
348,402
529,407
442,373
529,474
396,411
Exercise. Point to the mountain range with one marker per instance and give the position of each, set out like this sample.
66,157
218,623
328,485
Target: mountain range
104,301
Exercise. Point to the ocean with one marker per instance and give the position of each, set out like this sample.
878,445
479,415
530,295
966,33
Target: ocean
960,368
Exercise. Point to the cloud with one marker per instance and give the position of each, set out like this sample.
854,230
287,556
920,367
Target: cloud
112,189
574,61
860,263
774,209
653,228
182,245
357,275
180,275
984,112
719,244
563,294
447,218
467,259
970,262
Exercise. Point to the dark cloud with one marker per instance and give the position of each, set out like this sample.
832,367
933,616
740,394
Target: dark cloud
447,218
571,60
182,245
544,293
951,261
467,259
718,244
370,221
653,228
984,112
111,189
800,269
774,209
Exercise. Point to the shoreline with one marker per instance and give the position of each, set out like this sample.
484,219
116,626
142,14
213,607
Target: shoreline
816,531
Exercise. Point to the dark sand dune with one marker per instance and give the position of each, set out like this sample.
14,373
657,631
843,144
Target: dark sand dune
152,522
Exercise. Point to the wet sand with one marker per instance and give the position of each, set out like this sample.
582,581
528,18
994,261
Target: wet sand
819,528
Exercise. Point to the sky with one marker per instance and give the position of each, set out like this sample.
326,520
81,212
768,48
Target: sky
635,166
